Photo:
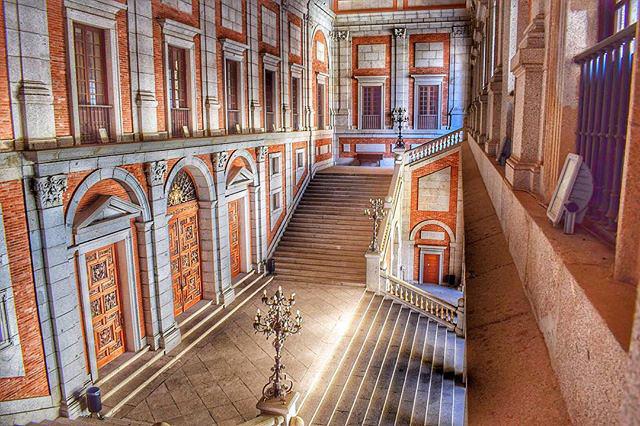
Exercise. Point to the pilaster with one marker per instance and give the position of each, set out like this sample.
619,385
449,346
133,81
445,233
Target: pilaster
400,69
210,96
494,112
255,107
261,201
226,292
342,71
523,167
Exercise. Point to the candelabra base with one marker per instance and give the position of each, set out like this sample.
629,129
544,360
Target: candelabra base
286,407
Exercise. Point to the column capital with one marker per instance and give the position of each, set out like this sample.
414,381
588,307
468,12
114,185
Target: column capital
399,32
220,160
340,35
155,172
49,190
261,153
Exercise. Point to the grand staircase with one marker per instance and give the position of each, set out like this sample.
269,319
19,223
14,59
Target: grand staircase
396,367
328,234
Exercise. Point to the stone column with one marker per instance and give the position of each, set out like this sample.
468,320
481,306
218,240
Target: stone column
523,166
260,200
483,110
342,70
64,304
226,292
400,69
285,98
29,69
141,65
166,332
210,97
494,100
307,33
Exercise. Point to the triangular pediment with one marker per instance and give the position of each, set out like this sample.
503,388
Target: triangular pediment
107,208
240,176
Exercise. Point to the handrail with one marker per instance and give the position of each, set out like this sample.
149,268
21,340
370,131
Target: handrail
440,310
435,146
391,204
594,50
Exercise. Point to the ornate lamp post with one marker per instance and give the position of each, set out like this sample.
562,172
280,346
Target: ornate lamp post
399,115
280,323
376,213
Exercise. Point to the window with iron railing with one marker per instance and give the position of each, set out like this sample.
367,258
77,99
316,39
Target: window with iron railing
178,103
428,107
603,108
94,109
321,106
233,96
295,103
371,107
269,101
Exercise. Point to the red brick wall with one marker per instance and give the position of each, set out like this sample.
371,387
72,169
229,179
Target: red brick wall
6,125
387,141
427,38
386,71
323,157
58,52
224,32
273,230
34,383
320,67
448,218
125,78
295,59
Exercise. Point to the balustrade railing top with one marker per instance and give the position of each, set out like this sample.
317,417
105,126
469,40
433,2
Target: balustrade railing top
435,146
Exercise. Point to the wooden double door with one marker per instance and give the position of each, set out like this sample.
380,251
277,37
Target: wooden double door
105,303
184,252
234,237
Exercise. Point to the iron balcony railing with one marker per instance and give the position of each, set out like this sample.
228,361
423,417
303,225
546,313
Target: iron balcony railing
179,119
233,120
427,121
371,121
603,107
92,119
269,121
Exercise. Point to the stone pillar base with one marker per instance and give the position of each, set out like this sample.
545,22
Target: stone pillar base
286,408
170,338
373,271
521,175
491,147
228,295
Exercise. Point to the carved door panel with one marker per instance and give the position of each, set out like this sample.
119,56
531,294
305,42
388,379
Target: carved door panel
431,268
234,237
105,303
184,249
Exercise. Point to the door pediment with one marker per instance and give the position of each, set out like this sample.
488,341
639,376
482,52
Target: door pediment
107,214
239,177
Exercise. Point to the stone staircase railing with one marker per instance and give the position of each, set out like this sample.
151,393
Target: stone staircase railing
435,146
439,310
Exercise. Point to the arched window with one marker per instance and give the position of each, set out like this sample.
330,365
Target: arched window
182,190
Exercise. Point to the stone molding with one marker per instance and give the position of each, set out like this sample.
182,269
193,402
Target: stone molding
49,190
261,153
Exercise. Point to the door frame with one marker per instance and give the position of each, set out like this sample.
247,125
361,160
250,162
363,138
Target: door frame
438,250
245,235
124,251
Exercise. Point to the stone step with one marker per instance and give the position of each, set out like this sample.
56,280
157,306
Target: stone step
304,247
332,275
304,242
421,398
353,269
352,227
338,236
435,387
313,261
329,221
321,281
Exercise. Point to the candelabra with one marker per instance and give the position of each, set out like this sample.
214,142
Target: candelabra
280,323
399,116
376,213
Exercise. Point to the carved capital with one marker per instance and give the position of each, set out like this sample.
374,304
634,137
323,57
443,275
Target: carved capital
49,190
261,153
399,32
461,31
220,160
155,172
340,35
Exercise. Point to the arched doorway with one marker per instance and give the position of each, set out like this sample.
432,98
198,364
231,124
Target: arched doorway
184,243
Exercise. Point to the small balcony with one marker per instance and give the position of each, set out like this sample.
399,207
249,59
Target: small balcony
371,121
92,119
427,121
233,121
269,121
180,119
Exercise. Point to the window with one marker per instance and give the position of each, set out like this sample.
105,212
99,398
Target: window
371,107
300,154
5,339
93,101
428,106
276,201
295,103
625,14
274,164
320,105
269,101
233,96
178,104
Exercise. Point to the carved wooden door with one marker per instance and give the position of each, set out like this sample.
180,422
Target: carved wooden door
431,268
234,237
184,244
106,304
184,248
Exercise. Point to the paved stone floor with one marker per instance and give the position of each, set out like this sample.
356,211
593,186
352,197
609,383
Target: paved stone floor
220,380
510,379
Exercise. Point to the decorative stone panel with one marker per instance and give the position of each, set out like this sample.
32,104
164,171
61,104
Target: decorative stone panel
371,56
320,51
269,27
434,191
232,15
49,190
181,5
429,55
295,39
